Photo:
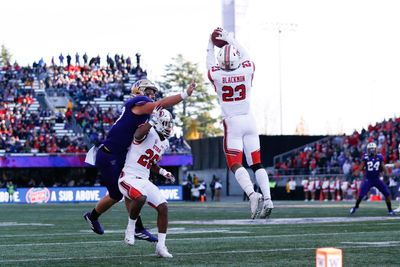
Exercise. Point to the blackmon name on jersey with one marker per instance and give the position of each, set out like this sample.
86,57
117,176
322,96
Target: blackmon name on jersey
233,88
142,155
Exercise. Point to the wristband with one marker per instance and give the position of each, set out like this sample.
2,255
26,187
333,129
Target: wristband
184,94
152,122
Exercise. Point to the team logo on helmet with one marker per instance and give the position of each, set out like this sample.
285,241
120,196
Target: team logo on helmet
165,123
228,57
140,86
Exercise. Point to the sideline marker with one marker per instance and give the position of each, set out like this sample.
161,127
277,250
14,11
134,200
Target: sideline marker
329,257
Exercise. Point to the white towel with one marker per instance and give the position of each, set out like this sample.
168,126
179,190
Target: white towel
91,156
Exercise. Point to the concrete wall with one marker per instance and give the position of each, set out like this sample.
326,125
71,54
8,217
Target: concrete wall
206,175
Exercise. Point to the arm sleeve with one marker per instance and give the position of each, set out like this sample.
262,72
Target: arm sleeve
210,55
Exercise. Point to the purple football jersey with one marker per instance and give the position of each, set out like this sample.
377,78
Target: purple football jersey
120,136
373,166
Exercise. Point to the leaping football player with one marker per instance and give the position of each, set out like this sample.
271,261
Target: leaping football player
232,80
149,143
374,167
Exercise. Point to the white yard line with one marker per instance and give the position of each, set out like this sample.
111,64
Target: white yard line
195,238
285,221
8,224
171,231
185,254
381,243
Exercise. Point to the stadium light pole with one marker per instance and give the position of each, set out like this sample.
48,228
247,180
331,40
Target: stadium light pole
280,27
280,80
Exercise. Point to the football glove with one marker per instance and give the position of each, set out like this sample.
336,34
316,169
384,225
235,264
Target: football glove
155,116
167,175
225,36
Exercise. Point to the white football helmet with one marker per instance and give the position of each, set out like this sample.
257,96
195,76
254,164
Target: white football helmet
371,148
165,123
228,57
140,86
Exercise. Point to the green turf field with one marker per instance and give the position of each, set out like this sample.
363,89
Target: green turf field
201,234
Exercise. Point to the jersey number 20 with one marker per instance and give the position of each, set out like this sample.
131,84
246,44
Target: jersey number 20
231,94
148,159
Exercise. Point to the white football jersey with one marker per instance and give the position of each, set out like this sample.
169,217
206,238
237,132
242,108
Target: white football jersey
325,184
142,155
233,88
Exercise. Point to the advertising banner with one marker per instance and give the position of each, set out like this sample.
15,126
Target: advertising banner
37,195
78,161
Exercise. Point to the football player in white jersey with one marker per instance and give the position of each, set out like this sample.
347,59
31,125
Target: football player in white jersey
396,165
149,143
232,80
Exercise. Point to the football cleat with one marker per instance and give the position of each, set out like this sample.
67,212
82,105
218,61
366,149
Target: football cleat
129,237
256,204
94,224
145,235
162,251
397,210
392,213
266,208
353,210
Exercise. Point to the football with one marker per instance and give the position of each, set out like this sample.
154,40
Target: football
217,42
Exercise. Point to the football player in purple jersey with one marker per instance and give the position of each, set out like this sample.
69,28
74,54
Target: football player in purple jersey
374,166
109,156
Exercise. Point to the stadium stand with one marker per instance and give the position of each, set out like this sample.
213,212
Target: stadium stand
51,114
28,126
328,155
65,109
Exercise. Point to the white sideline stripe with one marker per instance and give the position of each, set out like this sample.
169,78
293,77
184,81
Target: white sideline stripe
189,253
171,231
394,223
194,238
180,230
372,243
8,224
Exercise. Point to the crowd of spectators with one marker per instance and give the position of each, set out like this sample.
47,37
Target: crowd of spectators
84,82
343,154
90,81
25,130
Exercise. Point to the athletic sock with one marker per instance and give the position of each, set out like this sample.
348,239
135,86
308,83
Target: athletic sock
243,178
131,225
389,205
139,224
263,182
94,215
358,203
161,238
